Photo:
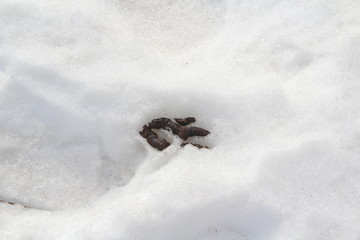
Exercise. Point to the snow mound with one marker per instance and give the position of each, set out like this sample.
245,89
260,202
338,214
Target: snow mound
275,82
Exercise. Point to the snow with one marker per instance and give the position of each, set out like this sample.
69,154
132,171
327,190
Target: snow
275,82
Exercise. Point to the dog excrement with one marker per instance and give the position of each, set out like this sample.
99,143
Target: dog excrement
179,127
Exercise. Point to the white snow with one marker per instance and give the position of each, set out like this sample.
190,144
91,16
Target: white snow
276,82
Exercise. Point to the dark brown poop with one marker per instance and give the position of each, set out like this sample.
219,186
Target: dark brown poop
179,128
153,139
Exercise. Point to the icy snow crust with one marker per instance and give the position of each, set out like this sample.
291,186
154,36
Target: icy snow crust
276,83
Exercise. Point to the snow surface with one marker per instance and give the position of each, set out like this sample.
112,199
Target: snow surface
276,82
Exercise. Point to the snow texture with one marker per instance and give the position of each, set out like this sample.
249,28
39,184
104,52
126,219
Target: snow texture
276,82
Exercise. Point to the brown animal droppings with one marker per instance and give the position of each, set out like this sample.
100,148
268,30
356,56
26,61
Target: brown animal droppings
153,139
194,144
179,128
187,132
159,123
156,142
185,121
